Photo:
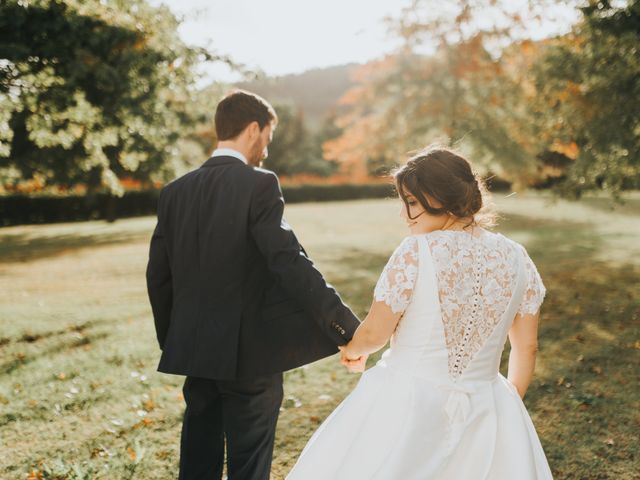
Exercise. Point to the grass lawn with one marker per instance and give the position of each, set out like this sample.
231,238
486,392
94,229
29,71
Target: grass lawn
80,397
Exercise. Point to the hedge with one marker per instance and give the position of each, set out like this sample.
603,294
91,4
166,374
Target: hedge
25,209
328,193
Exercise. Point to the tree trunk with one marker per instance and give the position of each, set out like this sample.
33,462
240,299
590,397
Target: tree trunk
111,208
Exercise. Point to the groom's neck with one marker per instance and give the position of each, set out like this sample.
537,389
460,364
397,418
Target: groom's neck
235,145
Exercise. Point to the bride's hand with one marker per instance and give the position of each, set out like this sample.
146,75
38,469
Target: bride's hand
354,364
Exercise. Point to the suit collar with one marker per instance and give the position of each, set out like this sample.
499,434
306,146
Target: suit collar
229,152
222,160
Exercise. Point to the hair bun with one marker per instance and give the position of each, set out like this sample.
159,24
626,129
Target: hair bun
446,177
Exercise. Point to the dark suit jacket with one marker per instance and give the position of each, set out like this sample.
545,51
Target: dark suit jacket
232,291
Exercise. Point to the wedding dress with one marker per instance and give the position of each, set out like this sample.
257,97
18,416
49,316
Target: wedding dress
435,406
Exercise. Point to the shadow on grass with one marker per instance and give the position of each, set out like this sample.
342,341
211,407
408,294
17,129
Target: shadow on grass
629,205
19,358
583,399
30,337
553,240
356,279
584,395
25,247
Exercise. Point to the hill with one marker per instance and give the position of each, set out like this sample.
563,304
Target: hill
315,91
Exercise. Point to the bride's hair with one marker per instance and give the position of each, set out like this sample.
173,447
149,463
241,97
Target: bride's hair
447,177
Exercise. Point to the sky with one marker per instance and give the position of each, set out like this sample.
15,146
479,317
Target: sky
287,36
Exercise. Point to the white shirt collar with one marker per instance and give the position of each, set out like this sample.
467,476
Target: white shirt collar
229,152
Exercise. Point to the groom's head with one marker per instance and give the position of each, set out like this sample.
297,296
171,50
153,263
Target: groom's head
245,122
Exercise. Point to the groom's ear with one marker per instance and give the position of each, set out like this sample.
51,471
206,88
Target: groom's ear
253,130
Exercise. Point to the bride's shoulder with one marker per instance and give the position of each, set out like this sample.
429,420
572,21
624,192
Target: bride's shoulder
512,245
410,243
405,254
408,248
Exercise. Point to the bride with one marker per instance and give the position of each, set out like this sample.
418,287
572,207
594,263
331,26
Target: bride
436,406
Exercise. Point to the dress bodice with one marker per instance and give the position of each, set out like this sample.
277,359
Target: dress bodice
459,294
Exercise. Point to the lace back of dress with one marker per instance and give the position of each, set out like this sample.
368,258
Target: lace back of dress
476,279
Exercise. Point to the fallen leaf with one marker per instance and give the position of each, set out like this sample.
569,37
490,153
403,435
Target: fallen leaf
100,451
35,475
132,453
163,454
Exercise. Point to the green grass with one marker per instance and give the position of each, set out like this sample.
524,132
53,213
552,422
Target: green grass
80,397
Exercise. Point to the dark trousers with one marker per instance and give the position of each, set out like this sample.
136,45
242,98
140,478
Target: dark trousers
244,412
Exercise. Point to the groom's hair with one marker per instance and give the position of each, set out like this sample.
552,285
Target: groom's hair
238,109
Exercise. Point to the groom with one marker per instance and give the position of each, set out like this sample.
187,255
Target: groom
235,299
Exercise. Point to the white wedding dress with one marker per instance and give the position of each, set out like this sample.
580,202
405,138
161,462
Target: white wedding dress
435,406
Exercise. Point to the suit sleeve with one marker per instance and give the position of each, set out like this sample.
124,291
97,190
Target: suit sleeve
159,281
295,271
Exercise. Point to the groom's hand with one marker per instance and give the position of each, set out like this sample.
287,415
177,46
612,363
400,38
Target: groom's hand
354,365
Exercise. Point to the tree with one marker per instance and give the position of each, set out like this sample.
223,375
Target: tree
589,88
294,149
447,84
93,91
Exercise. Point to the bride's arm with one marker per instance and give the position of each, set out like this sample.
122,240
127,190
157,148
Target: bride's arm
374,332
391,297
523,334
523,337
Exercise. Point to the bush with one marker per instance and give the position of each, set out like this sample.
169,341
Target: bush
328,193
25,209
497,184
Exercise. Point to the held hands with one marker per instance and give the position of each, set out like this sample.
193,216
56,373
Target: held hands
354,364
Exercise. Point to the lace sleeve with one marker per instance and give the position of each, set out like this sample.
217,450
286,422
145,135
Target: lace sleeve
395,285
535,290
